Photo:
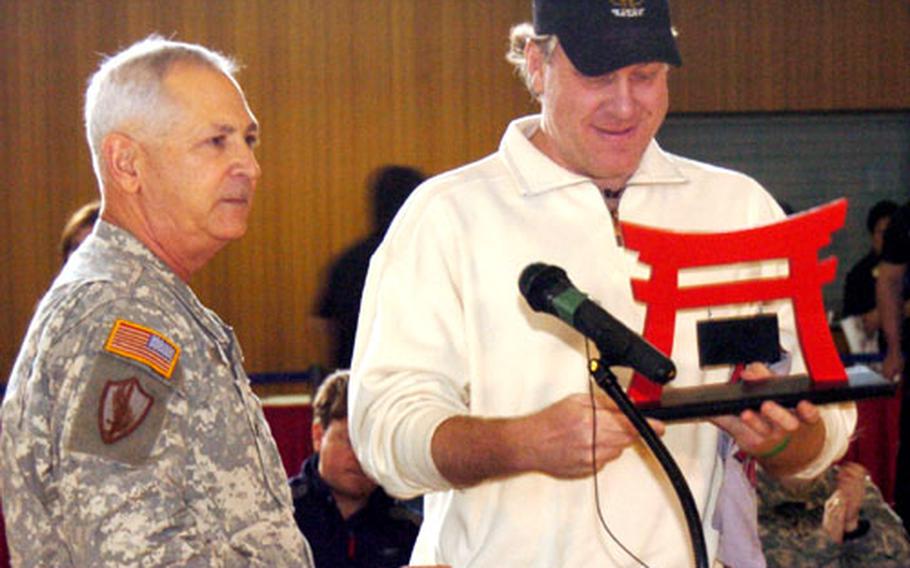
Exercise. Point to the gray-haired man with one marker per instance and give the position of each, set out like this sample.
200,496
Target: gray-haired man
130,433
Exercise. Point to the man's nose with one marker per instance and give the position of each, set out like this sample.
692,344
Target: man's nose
619,98
247,164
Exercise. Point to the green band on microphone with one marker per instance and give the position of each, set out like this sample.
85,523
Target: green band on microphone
567,302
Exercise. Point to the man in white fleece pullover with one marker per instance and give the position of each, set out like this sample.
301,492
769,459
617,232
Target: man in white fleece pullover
463,393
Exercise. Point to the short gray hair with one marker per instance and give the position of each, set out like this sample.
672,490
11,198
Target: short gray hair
127,88
519,36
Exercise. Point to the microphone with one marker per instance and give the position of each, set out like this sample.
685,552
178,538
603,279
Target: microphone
547,289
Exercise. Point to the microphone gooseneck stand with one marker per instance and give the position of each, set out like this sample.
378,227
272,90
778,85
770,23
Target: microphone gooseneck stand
606,380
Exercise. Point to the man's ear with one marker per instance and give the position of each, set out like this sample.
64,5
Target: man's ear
121,156
535,62
317,431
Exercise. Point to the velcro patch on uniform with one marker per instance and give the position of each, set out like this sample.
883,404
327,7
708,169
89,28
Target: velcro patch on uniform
120,411
144,345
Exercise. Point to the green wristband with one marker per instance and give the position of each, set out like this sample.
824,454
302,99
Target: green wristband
781,446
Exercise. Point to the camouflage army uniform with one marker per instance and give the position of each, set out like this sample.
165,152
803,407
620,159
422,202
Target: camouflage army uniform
130,433
792,536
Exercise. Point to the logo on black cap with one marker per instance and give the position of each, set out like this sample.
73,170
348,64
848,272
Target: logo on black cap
628,8
601,36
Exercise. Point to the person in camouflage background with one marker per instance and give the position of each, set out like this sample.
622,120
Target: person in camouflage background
838,520
130,433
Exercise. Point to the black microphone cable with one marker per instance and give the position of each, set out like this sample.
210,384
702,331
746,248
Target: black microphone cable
600,514
607,381
548,289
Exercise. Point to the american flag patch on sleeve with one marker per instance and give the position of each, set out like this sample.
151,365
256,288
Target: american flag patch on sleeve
144,345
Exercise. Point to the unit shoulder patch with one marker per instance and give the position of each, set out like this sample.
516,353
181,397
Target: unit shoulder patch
121,410
124,405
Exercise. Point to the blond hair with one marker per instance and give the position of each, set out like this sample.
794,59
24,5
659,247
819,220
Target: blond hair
519,36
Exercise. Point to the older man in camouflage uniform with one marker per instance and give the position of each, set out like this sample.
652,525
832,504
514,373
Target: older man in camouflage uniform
130,433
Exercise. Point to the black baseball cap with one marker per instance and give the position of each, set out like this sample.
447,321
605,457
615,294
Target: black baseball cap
601,36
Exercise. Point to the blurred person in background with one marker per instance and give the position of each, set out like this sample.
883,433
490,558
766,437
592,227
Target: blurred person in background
388,187
859,286
78,227
892,291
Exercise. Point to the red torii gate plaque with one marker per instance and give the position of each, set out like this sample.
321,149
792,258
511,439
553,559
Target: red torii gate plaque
797,240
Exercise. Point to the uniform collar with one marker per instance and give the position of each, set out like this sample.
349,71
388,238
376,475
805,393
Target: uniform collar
111,236
537,173
109,239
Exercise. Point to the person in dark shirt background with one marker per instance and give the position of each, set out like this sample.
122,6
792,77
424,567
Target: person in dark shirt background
859,287
389,186
891,294
348,520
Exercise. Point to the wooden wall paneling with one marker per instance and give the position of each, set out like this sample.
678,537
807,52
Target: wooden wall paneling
792,55
372,112
37,174
290,204
9,125
341,87
232,284
892,55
